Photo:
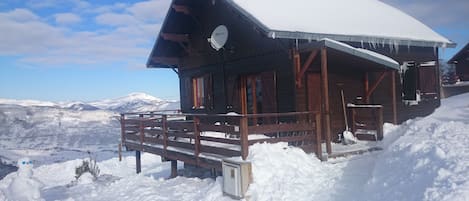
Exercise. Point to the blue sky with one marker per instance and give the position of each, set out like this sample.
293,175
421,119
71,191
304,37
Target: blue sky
61,50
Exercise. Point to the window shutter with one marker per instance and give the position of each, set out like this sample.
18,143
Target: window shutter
428,81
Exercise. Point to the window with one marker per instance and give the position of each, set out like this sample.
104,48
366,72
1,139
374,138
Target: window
201,92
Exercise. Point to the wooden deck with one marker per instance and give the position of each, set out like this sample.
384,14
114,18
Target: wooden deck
203,139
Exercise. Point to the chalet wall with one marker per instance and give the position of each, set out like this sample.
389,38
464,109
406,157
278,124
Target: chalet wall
246,52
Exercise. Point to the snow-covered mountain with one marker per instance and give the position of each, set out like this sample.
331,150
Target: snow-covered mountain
136,102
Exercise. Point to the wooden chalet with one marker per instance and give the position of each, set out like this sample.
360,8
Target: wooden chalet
461,62
280,78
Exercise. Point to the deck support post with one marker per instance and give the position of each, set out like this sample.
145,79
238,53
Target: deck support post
325,96
174,168
318,135
138,162
380,123
393,95
243,128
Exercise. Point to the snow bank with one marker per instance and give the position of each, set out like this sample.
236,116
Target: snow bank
118,181
288,173
430,161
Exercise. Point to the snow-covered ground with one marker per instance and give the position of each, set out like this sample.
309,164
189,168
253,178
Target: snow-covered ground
423,159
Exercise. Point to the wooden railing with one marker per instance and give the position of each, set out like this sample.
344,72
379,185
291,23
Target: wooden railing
217,135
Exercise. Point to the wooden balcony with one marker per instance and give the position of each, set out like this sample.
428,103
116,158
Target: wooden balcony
204,139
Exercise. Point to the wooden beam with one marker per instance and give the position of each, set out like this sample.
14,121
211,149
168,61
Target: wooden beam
375,85
243,95
305,67
184,38
393,95
181,9
296,61
325,96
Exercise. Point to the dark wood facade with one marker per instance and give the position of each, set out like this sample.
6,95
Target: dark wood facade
249,54
461,63
254,75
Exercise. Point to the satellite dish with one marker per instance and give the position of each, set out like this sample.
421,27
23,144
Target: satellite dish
219,37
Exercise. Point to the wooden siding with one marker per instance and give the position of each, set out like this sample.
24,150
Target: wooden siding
462,70
248,52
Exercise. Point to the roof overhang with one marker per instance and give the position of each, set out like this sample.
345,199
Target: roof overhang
458,56
364,54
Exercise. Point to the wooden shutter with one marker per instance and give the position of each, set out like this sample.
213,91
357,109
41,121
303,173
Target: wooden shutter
428,81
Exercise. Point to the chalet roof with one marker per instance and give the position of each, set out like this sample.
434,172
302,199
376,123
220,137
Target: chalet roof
462,54
369,21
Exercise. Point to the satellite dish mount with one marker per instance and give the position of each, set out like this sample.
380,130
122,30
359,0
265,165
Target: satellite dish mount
219,37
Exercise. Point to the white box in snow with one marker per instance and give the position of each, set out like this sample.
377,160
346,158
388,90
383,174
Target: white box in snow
236,177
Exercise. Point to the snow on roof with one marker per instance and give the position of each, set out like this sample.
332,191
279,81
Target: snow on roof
362,53
358,21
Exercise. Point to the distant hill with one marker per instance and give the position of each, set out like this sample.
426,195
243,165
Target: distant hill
134,102
74,126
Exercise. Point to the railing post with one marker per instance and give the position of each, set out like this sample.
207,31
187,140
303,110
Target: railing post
164,122
141,128
243,129
318,136
197,138
380,123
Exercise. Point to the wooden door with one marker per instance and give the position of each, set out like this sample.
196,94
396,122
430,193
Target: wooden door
258,94
314,91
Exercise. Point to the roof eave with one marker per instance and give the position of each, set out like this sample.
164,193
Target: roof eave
359,39
459,54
